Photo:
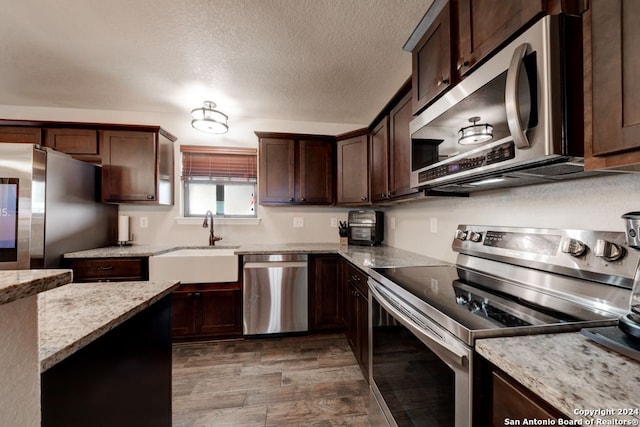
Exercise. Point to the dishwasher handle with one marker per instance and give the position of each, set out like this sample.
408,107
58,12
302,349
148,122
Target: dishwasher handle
276,264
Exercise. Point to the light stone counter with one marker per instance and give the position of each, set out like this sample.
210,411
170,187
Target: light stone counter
17,284
570,372
364,257
72,316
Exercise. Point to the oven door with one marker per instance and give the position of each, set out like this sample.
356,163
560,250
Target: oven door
420,375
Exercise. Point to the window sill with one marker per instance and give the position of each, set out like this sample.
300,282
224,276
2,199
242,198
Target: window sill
181,220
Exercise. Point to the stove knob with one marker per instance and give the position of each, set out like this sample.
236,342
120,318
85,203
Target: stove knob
573,247
609,251
461,235
474,237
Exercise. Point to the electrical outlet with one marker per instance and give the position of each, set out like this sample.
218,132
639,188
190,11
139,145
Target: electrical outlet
334,222
298,222
392,223
434,225
144,222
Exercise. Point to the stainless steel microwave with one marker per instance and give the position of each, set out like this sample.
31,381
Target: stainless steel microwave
516,120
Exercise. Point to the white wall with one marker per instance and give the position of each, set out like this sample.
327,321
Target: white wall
592,203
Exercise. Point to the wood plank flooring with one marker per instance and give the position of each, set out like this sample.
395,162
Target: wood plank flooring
309,380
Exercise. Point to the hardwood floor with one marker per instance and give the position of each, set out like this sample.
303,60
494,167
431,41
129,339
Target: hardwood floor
293,381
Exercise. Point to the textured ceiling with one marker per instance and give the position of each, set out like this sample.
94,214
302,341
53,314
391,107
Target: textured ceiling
333,61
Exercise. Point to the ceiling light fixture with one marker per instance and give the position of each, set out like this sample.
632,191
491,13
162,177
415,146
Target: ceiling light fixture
476,133
208,119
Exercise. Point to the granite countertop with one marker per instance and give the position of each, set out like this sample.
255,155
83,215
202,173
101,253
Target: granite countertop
570,372
364,257
16,284
72,316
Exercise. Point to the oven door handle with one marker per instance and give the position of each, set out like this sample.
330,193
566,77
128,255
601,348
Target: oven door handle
424,332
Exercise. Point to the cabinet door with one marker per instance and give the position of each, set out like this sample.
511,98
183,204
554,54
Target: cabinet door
72,141
362,331
485,24
20,134
353,181
432,62
276,175
182,310
615,44
129,166
325,292
315,179
219,312
379,169
400,149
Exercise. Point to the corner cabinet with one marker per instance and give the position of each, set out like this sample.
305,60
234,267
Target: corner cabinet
295,169
137,166
612,39
353,169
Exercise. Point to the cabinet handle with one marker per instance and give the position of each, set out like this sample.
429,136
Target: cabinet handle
150,197
106,268
363,198
443,81
291,199
303,199
462,63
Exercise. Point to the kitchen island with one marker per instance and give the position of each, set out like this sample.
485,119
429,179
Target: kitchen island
105,354
19,361
581,379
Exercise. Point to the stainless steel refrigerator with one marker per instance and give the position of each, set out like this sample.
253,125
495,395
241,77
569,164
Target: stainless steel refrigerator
49,206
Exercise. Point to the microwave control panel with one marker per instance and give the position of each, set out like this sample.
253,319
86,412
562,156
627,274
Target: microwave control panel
486,157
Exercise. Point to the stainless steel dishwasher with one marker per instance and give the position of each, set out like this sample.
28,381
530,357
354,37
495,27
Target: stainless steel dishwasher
275,294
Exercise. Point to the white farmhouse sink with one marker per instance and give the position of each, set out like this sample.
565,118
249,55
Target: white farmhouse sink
195,265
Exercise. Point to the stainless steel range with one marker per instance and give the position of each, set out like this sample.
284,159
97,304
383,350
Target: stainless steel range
506,281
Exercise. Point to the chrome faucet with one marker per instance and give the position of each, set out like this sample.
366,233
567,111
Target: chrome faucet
212,237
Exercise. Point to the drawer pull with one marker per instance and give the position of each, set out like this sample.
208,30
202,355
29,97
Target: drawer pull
106,268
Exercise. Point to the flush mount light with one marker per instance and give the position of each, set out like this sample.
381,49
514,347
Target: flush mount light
476,133
208,119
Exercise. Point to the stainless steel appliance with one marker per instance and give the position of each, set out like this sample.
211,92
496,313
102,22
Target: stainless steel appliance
625,338
366,227
516,120
506,281
275,294
48,207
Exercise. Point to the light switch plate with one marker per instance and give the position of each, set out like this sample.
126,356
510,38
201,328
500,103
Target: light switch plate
334,222
298,222
434,225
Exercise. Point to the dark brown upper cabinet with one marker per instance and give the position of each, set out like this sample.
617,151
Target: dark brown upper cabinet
612,57
379,166
19,134
400,148
295,169
456,36
484,25
353,169
137,167
432,61
81,144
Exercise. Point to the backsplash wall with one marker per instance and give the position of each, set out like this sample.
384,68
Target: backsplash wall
592,203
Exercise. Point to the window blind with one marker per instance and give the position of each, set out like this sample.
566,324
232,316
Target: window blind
218,163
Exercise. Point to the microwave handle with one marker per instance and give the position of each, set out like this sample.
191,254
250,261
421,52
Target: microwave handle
512,101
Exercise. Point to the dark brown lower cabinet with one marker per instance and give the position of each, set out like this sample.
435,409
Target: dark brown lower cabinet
500,399
207,311
325,292
116,269
356,313
123,378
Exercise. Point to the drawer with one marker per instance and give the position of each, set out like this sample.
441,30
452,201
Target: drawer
110,269
358,279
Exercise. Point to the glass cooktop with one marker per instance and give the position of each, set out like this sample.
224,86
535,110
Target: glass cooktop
450,296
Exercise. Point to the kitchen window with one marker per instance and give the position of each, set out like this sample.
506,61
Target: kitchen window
219,179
